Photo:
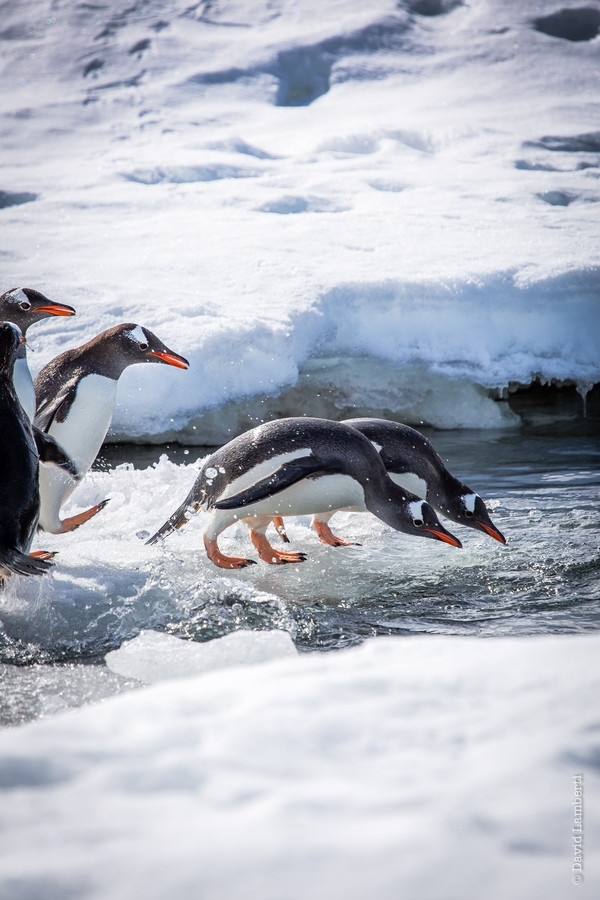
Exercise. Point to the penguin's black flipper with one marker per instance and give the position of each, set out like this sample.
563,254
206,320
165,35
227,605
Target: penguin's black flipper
21,564
53,406
180,517
288,474
51,452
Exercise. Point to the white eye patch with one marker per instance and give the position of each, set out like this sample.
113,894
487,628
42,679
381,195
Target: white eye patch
19,297
469,502
137,334
416,510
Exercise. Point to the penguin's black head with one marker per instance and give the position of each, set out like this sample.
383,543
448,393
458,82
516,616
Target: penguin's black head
471,511
142,346
113,350
11,339
24,306
426,523
409,514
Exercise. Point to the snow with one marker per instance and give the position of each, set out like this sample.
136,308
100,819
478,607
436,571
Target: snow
436,767
285,191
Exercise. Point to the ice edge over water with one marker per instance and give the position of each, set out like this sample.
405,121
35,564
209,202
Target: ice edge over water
371,348
276,194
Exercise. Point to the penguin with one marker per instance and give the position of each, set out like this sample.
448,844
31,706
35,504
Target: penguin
296,466
21,448
76,395
24,307
413,463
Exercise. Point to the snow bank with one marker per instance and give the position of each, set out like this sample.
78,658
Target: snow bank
408,189
433,767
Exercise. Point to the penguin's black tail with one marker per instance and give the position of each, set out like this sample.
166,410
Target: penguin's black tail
18,563
180,517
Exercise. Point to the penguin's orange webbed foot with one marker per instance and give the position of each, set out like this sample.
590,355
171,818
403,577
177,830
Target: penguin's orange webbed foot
326,536
272,556
225,562
74,522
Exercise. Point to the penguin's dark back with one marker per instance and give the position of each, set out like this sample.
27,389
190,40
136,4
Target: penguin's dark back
322,437
19,464
339,447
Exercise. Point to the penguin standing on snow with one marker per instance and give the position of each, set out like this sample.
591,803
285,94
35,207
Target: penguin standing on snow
76,395
24,307
413,463
297,466
21,448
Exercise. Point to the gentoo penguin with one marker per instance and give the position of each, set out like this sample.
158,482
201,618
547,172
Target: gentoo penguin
413,463
75,395
24,307
297,466
21,448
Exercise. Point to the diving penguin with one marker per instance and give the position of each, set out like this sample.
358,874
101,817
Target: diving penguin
413,463
296,466
76,395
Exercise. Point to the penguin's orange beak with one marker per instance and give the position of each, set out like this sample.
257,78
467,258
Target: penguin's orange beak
493,532
56,309
171,359
444,536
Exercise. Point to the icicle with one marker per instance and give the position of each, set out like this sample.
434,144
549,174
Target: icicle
583,389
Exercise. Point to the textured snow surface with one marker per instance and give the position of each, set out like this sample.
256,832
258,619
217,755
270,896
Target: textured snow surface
328,208
437,767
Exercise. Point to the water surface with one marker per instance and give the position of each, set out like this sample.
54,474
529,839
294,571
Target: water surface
542,485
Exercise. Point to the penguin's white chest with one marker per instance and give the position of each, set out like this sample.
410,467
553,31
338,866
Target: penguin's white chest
24,388
310,496
313,495
82,432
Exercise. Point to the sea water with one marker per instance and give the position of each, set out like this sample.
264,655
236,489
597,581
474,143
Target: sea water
541,485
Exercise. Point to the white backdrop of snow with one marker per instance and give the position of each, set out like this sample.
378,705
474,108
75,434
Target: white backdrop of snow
426,214
438,767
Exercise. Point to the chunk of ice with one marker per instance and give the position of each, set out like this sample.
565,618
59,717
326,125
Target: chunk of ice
154,656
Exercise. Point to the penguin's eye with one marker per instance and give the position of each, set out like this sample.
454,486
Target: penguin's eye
144,347
25,305
468,514
418,522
